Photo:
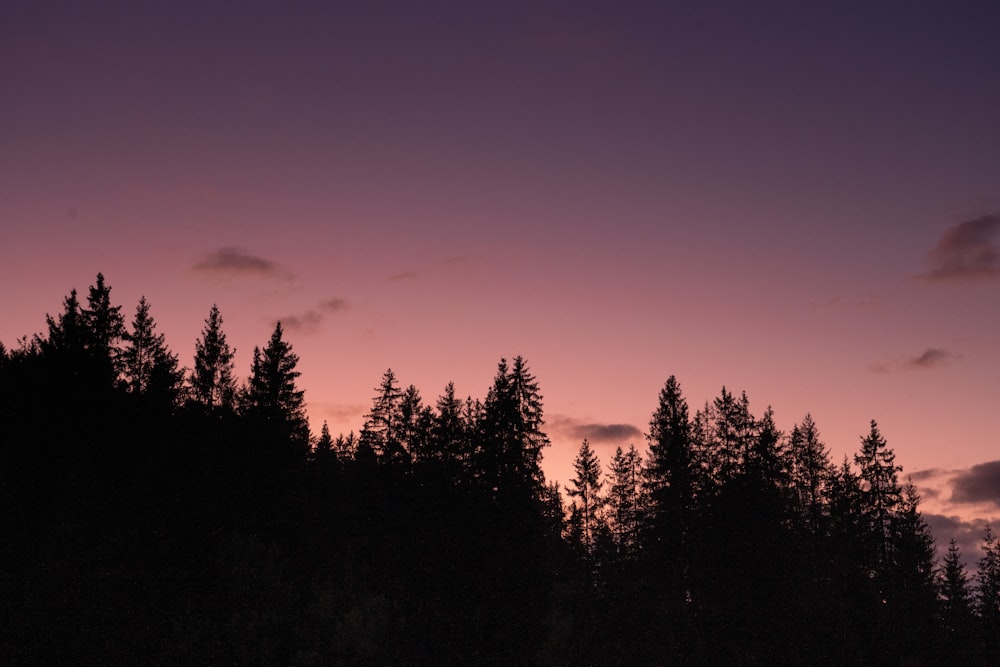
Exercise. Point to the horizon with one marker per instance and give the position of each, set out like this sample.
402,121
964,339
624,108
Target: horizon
799,203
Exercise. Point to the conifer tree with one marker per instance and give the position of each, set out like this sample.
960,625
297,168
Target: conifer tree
670,485
449,433
323,451
881,496
988,595
415,425
105,328
149,368
67,333
382,431
810,472
213,384
956,597
587,487
510,437
625,500
273,395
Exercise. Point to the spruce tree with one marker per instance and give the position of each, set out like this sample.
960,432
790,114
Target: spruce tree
956,599
625,500
323,451
274,397
988,596
105,328
508,454
810,472
881,496
670,485
587,487
149,368
213,384
382,430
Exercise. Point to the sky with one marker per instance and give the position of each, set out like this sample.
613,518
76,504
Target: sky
798,200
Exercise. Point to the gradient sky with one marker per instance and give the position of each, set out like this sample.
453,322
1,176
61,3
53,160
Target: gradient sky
798,199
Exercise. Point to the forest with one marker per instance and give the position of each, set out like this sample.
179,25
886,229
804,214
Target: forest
161,514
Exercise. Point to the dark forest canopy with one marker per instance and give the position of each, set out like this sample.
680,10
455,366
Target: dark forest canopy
157,514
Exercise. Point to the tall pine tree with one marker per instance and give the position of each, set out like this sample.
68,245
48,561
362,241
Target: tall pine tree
213,384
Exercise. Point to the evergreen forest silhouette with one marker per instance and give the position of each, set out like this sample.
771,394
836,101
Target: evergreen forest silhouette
154,514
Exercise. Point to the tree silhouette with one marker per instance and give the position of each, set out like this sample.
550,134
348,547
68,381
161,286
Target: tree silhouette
625,500
150,371
587,487
213,384
382,431
273,397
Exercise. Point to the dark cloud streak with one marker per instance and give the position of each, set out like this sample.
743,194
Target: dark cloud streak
932,357
311,320
232,261
978,484
595,432
967,252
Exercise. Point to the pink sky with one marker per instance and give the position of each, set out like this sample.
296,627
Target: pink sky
801,202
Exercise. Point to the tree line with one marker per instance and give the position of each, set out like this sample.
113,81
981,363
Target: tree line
159,514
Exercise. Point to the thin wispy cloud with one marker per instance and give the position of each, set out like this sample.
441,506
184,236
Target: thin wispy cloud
932,357
333,305
575,429
311,321
232,262
446,264
342,411
967,252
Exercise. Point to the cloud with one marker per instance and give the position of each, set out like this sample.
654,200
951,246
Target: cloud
231,261
575,429
436,267
978,484
967,252
342,411
333,305
968,535
932,357
311,320
306,323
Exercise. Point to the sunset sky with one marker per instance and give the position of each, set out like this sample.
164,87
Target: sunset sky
796,199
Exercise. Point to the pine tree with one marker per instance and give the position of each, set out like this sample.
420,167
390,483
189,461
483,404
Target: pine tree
670,484
415,425
382,431
730,437
273,396
149,368
587,487
323,451
956,597
449,433
507,458
625,500
881,496
988,596
213,384
911,575
67,334
810,472
105,328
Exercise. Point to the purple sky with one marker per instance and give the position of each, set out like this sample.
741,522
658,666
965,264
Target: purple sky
797,199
